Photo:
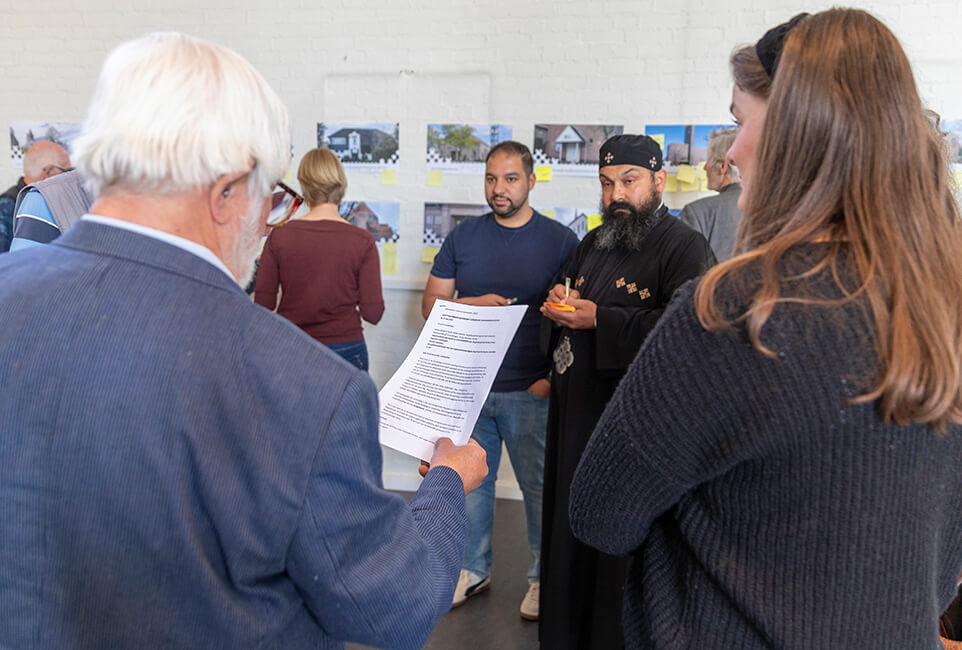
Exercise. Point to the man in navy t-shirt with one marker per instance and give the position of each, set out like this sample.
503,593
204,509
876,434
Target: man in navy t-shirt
504,257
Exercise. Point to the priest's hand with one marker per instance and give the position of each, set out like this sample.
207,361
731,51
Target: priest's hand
557,294
487,300
582,318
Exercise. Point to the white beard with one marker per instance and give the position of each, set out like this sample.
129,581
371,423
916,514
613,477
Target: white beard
244,252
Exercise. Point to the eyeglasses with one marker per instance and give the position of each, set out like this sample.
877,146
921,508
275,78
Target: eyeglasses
60,170
284,203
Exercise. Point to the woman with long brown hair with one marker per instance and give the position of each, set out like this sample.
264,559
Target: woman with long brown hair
783,457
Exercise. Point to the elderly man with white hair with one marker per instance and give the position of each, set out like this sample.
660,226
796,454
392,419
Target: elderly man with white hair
44,159
717,217
186,469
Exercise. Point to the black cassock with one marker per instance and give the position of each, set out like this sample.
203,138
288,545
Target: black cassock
581,588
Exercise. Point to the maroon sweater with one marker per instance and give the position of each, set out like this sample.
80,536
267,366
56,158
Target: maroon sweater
328,272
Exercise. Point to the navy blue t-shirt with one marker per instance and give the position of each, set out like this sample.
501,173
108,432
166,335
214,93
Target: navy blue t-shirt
485,257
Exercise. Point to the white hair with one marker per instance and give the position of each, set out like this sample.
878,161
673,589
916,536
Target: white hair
719,142
172,113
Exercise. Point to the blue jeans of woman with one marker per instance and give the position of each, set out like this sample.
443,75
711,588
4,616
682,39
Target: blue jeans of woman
518,418
354,352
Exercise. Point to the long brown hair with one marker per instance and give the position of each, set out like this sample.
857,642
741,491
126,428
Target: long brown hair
848,155
748,73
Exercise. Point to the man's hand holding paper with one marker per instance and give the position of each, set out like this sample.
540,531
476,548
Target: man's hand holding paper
469,461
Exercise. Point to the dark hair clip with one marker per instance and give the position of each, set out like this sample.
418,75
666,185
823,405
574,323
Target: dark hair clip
769,47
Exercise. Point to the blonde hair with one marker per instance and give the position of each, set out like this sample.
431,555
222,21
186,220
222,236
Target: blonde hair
321,177
842,88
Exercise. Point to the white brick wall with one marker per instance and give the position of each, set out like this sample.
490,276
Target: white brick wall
630,62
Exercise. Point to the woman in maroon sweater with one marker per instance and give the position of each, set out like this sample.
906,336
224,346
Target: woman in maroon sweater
325,268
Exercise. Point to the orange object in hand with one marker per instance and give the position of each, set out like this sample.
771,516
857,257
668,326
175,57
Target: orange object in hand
560,306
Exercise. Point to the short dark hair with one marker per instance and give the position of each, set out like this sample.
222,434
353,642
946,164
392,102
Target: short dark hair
513,148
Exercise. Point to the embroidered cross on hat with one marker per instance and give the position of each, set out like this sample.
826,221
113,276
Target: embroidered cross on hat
639,150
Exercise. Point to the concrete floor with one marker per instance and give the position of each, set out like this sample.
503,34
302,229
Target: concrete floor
491,619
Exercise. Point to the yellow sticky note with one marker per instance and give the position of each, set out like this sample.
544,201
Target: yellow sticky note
549,213
389,258
659,138
701,170
688,187
288,177
542,173
594,220
435,177
671,183
388,177
687,174
704,185
428,253
958,178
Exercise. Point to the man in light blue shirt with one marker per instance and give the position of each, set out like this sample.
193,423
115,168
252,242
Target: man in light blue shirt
44,159
48,208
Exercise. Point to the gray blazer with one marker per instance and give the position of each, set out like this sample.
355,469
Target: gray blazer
716,217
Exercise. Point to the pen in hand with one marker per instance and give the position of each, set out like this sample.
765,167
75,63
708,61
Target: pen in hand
567,287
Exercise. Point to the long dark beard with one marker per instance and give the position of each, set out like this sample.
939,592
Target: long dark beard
627,230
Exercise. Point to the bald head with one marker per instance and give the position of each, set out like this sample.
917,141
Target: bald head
43,160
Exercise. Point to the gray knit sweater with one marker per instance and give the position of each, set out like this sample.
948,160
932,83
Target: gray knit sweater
761,508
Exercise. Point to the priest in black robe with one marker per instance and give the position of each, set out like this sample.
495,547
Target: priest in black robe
620,279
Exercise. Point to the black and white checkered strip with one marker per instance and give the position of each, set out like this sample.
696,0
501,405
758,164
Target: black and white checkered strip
432,239
540,158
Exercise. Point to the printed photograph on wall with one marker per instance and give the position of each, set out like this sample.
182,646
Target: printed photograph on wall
462,148
684,148
953,138
440,219
24,134
571,149
579,220
361,145
383,221
953,143
683,144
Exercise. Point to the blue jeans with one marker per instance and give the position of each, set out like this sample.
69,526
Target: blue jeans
354,352
519,419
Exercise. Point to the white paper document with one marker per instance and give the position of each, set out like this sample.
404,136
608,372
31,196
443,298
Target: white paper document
439,389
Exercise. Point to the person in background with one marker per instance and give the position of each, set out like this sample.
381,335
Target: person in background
47,209
622,277
781,460
717,217
43,159
325,268
508,255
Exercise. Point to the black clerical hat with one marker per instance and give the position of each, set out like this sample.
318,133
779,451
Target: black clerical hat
627,149
769,47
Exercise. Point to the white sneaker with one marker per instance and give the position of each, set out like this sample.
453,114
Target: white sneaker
469,584
530,605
